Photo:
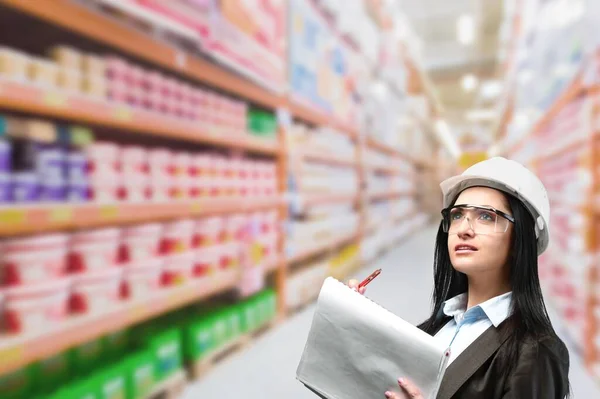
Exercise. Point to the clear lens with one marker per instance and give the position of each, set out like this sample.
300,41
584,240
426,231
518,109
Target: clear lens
482,221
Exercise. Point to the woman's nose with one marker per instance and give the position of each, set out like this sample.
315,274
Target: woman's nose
465,227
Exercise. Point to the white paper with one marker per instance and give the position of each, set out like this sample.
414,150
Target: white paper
357,350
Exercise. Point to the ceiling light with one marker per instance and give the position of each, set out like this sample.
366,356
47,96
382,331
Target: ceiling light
491,89
469,82
465,29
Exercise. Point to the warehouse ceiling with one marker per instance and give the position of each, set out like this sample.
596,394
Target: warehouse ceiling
447,60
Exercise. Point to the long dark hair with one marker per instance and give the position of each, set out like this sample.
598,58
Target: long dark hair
529,317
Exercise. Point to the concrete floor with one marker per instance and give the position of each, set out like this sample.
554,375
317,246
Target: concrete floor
267,369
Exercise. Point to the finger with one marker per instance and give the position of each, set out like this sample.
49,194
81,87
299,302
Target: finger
353,284
391,395
362,290
412,391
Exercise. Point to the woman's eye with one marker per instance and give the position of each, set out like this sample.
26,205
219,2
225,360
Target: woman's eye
455,215
488,217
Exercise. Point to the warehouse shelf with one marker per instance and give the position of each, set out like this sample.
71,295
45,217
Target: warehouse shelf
575,90
322,247
19,351
323,199
390,170
376,145
78,108
312,115
17,220
328,158
389,195
87,22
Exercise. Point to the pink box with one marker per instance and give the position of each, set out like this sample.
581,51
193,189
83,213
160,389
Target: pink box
94,250
143,278
208,231
177,236
34,259
97,292
141,242
178,268
36,307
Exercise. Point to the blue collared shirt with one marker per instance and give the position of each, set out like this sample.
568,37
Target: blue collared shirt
467,325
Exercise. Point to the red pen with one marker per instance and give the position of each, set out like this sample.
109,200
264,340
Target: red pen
369,279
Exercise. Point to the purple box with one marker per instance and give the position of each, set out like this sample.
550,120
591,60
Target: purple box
25,187
5,156
50,162
5,189
78,192
76,166
53,190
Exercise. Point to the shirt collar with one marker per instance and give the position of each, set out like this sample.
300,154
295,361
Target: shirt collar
496,309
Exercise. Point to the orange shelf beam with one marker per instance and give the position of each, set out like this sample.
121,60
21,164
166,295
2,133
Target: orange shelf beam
573,91
19,351
327,246
320,118
329,159
54,104
45,218
389,195
89,23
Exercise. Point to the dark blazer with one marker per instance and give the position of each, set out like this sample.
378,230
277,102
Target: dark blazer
541,371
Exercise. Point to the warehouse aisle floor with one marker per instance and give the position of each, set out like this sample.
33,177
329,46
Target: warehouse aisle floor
266,370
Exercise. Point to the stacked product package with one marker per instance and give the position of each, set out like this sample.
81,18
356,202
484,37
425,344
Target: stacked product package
44,162
47,277
131,363
112,79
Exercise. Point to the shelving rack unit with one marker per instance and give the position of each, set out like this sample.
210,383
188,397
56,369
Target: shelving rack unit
569,269
15,221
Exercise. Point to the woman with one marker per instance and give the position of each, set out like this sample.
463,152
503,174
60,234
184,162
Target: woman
487,301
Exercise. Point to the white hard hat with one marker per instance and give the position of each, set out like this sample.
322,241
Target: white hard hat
510,177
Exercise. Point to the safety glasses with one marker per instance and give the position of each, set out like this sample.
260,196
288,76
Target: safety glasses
482,219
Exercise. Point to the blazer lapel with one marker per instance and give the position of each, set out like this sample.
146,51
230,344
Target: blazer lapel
469,361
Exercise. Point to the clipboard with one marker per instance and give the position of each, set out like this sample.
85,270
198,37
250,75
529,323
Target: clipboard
358,349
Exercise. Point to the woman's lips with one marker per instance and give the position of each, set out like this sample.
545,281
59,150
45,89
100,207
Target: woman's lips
465,249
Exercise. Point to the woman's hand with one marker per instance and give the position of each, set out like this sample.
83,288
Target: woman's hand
354,285
410,391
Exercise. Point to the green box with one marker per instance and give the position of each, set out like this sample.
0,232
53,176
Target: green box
116,344
220,330
234,321
198,338
112,382
167,352
86,388
140,374
52,372
251,316
18,384
88,356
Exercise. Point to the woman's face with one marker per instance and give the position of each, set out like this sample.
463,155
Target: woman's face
489,252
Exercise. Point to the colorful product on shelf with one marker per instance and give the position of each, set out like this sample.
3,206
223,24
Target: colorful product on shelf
94,250
143,278
96,292
33,259
36,307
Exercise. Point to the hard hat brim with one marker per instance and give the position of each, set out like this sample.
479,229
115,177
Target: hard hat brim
453,186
